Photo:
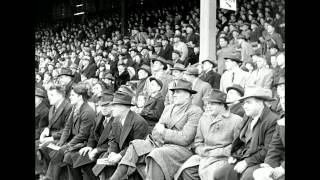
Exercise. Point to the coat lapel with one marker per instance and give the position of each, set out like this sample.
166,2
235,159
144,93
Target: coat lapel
126,128
58,112
175,117
106,131
83,106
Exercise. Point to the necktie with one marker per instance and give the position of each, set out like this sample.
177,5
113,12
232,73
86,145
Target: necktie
232,77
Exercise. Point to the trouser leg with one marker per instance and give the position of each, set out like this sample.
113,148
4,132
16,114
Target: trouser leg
74,173
87,172
120,172
190,173
154,171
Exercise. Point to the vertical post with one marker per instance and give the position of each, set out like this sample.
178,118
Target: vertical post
123,17
208,29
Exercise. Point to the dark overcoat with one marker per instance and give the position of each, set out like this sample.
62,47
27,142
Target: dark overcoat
212,78
41,118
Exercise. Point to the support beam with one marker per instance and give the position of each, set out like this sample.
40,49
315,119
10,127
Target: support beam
208,29
123,17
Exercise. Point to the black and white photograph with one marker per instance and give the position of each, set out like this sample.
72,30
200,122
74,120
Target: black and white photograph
159,89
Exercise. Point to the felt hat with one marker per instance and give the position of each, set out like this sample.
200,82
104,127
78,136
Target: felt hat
66,72
181,84
192,70
121,98
257,92
145,68
236,87
159,82
178,66
216,96
105,99
211,61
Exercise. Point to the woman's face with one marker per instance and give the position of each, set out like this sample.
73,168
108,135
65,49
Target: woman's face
97,89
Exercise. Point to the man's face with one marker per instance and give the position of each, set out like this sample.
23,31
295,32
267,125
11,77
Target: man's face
177,74
175,56
157,65
164,42
229,64
64,79
281,94
233,95
281,60
154,86
261,62
106,110
207,66
223,42
117,110
270,29
180,96
142,74
74,97
54,97
251,106
273,51
213,108
97,89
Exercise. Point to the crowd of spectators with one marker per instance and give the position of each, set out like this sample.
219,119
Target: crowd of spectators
162,46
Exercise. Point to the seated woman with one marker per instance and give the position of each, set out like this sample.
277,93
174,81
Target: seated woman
154,104
216,130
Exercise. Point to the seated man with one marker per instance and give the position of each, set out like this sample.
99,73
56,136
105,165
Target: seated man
58,115
154,104
97,143
248,150
273,167
170,143
42,111
234,93
76,130
127,127
216,130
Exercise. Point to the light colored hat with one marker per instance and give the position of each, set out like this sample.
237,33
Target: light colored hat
257,92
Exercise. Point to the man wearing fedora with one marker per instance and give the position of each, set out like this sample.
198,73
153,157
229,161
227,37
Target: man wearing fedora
203,88
76,131
66,79
58,115
209,75
246,48
154,104
216,130
170,143
143,73
97,142
250,147
234,93
41,121
126,127
263,75
274,163
41,112
233,74
177,73
181,47
159,65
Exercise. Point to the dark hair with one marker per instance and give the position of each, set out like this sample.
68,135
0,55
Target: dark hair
82,90
60,89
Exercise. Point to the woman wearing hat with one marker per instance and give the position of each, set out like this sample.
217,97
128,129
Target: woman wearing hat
215,133
170,142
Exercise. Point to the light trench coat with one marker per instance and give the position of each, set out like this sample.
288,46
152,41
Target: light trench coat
213,142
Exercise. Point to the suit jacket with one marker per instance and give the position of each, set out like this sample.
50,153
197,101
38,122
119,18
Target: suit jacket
41,118
203,88
276,152
99,133
77,129
166,52
153,109
58,119
134,127
212,78
240,77
262,78
255,152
